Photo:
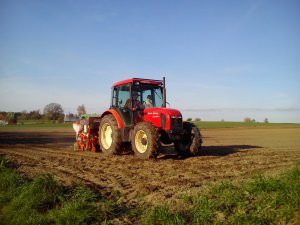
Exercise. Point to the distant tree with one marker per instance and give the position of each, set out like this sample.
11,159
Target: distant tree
23,115
266,120
53,111
11,118
197,119
60,119
3,116
71,115
222,120
35,114
189,119
247,120
81,110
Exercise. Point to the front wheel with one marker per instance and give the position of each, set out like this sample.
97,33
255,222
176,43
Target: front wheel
191,140
109,135
144,140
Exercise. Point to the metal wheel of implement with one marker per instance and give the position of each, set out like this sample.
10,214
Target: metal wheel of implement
75,147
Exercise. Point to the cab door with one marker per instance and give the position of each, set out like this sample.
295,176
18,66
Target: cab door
120,95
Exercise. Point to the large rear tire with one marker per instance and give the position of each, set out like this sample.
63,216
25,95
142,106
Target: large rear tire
109,135
191,141
144,140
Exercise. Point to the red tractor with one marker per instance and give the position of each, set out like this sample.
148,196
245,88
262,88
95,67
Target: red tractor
138,114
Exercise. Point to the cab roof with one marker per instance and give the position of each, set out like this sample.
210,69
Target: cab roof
140,80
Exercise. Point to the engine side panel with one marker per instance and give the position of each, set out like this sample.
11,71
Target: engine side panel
163,118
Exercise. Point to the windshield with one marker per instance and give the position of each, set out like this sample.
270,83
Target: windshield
150,95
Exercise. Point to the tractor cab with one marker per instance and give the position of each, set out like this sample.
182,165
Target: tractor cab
131,97
138,115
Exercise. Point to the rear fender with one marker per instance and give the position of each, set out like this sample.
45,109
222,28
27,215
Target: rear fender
116,115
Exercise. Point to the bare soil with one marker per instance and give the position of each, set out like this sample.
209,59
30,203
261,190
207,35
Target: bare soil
233,154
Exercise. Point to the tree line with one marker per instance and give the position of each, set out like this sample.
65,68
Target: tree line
51,112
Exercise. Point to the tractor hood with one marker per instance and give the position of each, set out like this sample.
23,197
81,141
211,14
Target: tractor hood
163,118
157,111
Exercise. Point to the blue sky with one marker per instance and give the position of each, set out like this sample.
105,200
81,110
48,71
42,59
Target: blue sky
221,59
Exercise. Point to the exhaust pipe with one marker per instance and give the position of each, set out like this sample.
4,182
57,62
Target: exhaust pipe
164,93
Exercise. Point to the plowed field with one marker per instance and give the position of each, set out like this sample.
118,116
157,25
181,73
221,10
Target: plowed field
233,154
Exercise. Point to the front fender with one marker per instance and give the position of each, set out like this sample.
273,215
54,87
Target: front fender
116,115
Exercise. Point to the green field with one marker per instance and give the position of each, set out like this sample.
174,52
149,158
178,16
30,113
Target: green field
39,124
219,124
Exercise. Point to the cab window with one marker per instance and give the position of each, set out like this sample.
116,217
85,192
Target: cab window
120,95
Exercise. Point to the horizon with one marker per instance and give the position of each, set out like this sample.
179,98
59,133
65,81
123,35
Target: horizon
193,117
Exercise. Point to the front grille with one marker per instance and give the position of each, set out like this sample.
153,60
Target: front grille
176,123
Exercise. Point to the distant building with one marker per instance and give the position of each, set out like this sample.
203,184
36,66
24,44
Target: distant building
3,123
70,119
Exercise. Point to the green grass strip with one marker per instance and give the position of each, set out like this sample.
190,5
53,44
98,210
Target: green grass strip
43,201
262,200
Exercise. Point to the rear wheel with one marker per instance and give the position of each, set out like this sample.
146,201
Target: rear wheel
144,140
191,141
109,135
